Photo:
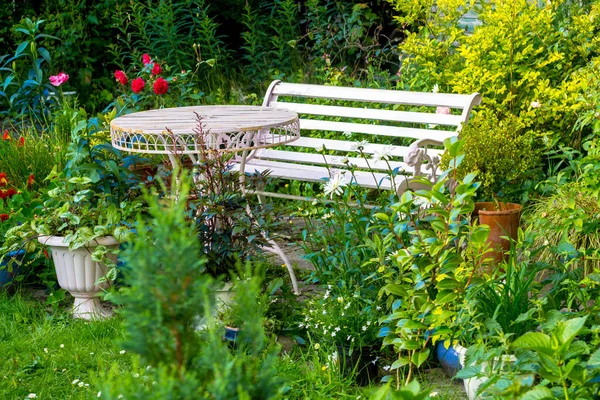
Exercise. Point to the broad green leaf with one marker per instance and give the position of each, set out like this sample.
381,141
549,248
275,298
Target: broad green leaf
537,341
401,362
567,331
21,48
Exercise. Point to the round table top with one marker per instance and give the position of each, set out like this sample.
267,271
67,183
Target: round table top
231,128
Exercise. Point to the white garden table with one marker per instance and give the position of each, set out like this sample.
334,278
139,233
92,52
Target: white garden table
232,129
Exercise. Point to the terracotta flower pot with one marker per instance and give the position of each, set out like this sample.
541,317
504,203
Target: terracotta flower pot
503,220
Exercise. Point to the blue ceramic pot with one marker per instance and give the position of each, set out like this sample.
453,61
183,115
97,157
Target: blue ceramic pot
448,359
231,333
7,277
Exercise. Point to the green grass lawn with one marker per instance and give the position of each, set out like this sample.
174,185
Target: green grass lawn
53,356
46,352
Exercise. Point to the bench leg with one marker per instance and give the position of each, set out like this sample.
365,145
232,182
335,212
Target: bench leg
277,250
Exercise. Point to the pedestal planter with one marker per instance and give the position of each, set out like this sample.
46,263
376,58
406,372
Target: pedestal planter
503,220
472,384
78,274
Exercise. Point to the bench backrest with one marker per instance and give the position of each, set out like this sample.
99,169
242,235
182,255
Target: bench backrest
389,120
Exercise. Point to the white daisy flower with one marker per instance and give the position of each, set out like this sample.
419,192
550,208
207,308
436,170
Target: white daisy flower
32,396
335,185
384,154
359,145
536,104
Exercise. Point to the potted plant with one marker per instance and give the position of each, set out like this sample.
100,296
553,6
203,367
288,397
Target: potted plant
16,208
83,228
494,314
501,152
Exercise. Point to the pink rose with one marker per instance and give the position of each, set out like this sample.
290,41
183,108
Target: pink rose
442,110
57,80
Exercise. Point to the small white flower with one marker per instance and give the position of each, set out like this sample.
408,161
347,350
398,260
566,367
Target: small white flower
321,148
384,154
45,350
337,329
317,346
75,382
99,394
326,295
120,396
335,185
80,384
359,145
349,337
324,312
32,396
92,353
122,352
344,160
301,325
62,346
386,368
436,88
378,308
535,104
148,368
333,334
368,323
433,394
348,134
136,375
329,287
87,385
347,306
340,299
364,328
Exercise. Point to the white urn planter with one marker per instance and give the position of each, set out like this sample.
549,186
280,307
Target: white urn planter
77,273
472,384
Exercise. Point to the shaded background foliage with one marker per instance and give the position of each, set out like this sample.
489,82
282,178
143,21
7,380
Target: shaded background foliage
238,40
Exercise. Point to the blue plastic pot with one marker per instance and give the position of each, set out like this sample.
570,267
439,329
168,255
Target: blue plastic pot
6,277
448,359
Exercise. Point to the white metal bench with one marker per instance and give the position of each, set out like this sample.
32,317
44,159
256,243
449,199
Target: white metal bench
389,119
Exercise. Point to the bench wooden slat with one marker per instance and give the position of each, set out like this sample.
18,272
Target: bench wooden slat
348,146
390,131
332,161
374,95
369,113
314,173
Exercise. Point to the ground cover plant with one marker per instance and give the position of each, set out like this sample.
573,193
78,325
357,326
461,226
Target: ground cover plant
392,276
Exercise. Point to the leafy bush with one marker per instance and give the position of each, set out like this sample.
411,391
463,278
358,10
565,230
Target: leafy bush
524,58
498,151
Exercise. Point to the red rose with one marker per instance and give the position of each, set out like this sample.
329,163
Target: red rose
3,180
21,141
3,217
161,86
156,69
146,59
137,85
121,77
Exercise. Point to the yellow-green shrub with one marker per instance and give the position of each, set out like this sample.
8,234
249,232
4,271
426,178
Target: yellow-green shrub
528,58
497,150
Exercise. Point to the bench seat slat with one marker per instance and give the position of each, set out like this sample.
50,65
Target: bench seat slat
332,161
373,95
314,173
391,131
369,113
